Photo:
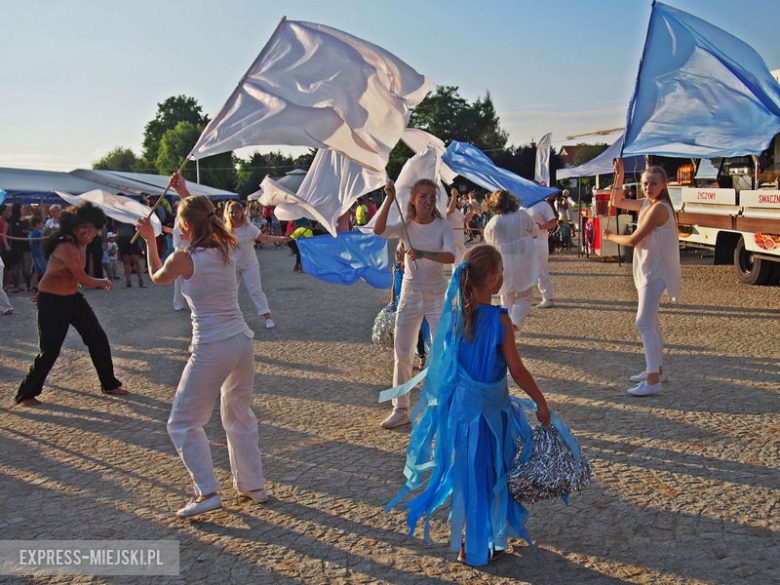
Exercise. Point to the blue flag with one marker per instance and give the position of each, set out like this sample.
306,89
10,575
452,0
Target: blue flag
2,196
700,92
347,258
470,162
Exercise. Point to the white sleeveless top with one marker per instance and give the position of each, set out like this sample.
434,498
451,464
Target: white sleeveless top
657,257
212,294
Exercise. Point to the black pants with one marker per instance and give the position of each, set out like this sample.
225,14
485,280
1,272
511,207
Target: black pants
56,313
94,256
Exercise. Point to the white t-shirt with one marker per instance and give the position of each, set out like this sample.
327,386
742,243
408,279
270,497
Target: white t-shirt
51,225
429,237
245,253
541,213
457,219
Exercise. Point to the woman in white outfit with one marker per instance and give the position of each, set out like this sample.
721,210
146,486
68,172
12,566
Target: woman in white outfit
424,283
513,232
459,222
222,361
544,217
656,267
247,266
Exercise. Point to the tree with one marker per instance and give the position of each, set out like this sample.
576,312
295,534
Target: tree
216,171
447,115
119,159
173,110
586,152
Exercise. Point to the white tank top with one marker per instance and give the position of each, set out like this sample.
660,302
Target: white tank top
657,257
212,294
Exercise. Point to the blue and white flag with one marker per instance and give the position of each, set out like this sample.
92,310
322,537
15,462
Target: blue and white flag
347,258
470,162
700,92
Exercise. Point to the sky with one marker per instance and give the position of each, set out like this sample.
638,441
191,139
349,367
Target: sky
81,77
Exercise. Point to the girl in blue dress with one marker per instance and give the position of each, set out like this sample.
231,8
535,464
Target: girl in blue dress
466,411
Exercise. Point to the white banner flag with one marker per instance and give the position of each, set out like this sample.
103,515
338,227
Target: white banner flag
542,169
332,184
313,85
122,209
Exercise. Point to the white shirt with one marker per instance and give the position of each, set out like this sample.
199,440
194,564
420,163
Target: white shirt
514,235
657,256
541,213
245,253
430,237
457,220
51,225
212,294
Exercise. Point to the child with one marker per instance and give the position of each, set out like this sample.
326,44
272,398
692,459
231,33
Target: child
470,425
38,262
112,251
222,360
247,266
564,233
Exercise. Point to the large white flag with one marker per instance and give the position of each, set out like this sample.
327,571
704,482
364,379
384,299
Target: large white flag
332,184
123,209
317,86
542,169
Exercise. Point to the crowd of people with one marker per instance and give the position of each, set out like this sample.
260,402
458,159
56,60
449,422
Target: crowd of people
467,425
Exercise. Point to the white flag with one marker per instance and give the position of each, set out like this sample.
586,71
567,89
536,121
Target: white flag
332,184
423,165
313,85
542,169
122,209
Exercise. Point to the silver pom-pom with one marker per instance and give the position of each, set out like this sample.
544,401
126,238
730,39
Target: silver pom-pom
551,470
384,326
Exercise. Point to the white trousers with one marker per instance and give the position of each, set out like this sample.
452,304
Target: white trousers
179,302
254,286
224,369
5,304
413,306
648,325
545,284
519,306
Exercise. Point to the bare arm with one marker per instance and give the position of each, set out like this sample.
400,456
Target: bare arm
618,200
520,374
179,185
381,216
178,264
657,216
69,256
453,203
266,239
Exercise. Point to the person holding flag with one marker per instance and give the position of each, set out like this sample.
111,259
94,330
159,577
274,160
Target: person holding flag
430,245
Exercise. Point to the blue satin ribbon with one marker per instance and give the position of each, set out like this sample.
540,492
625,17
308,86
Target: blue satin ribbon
402,389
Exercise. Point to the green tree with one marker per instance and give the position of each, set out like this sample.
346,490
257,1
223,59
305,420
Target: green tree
119,159
170,112
216,171
586,152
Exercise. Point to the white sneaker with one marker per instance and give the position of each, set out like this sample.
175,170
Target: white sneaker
643,376
193,508
399,417
546,304
644,389
269,324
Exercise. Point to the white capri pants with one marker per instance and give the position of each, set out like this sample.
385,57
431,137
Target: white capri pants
545,284
5,303
519,306
226,369
179,302
254,286
648,325
413,306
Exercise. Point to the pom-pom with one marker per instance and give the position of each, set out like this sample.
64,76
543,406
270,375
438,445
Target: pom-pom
384,327
551,470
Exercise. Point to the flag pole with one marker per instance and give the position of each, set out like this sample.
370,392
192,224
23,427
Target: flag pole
164,193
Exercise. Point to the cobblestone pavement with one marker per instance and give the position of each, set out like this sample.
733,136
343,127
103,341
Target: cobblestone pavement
687,482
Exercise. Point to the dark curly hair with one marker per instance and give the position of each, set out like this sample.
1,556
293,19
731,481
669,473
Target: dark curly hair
70,218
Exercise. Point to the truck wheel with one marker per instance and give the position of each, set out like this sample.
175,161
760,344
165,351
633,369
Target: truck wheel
750,270
774,278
